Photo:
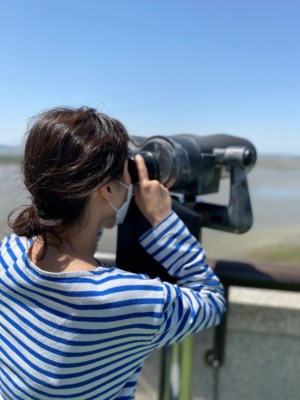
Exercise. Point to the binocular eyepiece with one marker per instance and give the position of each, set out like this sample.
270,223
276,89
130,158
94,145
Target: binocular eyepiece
191,164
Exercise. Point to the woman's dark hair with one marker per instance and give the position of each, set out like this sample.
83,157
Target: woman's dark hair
68,153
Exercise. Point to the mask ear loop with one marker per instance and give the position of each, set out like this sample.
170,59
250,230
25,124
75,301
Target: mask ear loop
111,204
122,184
122,211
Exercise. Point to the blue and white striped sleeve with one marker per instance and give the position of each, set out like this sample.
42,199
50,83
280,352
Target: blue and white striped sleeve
128,391
196,301
3,250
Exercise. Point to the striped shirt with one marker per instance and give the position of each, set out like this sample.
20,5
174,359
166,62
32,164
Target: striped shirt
85,335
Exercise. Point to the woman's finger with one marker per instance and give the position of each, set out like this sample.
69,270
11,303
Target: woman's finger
141,168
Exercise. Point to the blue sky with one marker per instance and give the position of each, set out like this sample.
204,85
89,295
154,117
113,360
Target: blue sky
160,66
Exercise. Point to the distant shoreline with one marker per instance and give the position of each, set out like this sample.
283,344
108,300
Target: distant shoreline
278,161
268,161
10,159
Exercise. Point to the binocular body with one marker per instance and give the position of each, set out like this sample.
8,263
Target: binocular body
190,164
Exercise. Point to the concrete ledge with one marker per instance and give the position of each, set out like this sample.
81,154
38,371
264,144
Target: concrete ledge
264,311
266,297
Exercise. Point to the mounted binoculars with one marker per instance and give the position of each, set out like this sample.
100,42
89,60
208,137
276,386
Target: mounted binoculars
190,166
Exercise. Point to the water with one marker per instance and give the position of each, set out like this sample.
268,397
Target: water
12,193
275,195
269,192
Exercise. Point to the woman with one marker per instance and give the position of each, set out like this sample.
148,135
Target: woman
72,328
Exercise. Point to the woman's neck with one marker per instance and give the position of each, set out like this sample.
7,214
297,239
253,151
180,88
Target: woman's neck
75,252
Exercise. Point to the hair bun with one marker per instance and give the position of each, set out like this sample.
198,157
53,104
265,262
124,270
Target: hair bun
27,223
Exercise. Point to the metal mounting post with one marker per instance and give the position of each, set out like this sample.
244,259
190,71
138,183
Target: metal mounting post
215,356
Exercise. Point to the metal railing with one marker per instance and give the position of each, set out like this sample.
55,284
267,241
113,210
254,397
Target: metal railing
246,274
283,277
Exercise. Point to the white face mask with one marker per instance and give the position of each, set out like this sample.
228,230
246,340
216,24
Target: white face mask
122,211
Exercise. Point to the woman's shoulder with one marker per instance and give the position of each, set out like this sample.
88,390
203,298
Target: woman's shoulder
12,248
14,244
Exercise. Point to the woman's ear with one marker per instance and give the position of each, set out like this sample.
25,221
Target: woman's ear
105,192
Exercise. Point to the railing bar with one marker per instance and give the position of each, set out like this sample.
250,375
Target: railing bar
237,273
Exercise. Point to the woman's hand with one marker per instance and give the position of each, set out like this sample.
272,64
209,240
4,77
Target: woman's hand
151,197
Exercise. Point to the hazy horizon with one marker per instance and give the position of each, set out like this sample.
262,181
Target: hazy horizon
12,150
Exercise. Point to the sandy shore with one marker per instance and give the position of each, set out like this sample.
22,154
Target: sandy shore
251,244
